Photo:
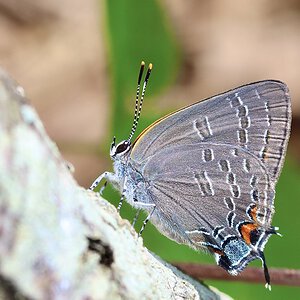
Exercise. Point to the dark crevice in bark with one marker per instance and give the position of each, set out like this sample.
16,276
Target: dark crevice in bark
104,251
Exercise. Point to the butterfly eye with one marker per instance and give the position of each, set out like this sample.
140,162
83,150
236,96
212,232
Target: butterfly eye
122,147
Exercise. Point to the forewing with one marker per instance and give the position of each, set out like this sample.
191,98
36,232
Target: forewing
256,117
208,190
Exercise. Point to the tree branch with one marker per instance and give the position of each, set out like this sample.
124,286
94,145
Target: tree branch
288,277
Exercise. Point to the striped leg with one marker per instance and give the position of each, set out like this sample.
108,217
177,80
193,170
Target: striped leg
121,201
136,217
106,175
149,215
103,188
97,181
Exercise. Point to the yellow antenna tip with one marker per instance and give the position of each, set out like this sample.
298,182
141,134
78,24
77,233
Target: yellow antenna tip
142,63
150,66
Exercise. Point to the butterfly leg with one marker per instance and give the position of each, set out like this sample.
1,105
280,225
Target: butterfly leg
136,217
97,181
106,175
150,205
103,188
121,201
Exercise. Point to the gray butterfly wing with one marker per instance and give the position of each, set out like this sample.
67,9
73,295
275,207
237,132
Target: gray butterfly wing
196,179
208,193
256,117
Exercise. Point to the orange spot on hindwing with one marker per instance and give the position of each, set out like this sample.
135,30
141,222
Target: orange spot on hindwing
246,230
253,213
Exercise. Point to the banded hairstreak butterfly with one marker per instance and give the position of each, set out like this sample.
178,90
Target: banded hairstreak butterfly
206,174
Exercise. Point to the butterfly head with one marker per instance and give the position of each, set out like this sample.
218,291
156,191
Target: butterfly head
119,150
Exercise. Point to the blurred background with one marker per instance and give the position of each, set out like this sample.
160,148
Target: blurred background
78,62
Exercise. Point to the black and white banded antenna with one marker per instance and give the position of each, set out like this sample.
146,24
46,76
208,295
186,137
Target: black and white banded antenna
139,102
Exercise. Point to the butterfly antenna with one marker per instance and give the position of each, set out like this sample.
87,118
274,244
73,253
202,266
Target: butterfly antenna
137,99
139,104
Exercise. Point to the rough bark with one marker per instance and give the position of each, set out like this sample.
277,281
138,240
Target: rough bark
60,241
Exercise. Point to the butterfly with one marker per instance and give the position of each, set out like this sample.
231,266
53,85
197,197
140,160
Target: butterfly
206,174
